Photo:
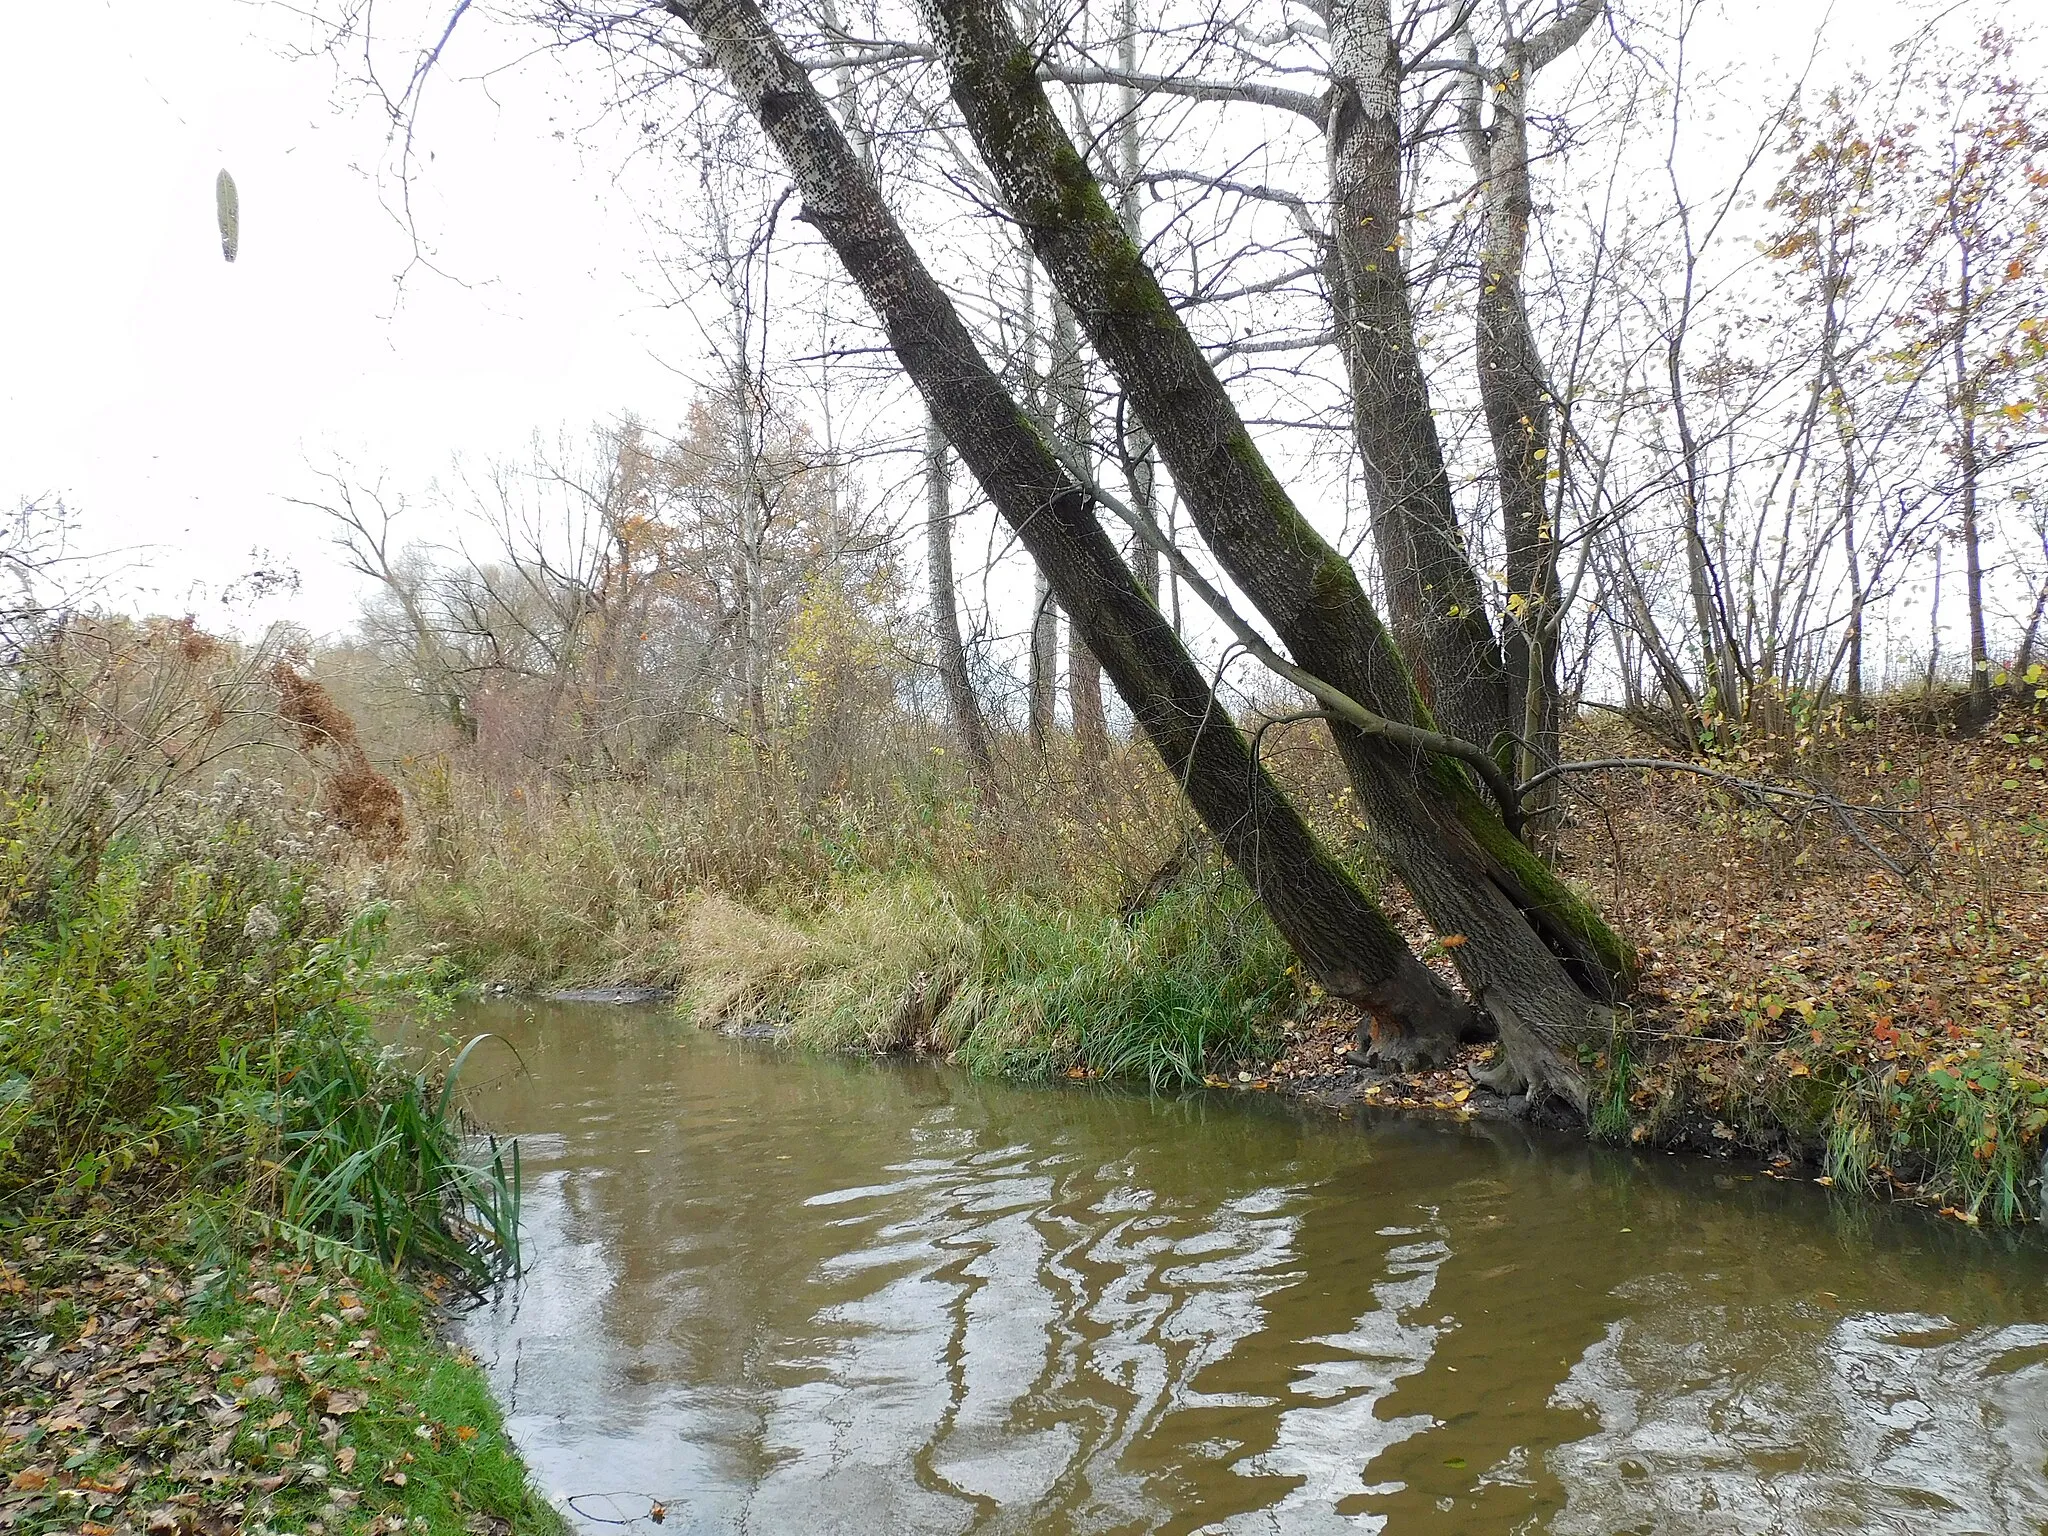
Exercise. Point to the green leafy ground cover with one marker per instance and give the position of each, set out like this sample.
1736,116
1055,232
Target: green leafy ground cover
212,1172
282,1394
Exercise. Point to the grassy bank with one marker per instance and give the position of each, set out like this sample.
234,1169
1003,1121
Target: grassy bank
212,1173
1019,987
1872,1021
279,1394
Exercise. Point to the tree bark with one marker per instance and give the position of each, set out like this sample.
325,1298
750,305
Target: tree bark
963,707
1533,954
1042,684
1981,707
1134,444
1342,938
1435,605
1514,386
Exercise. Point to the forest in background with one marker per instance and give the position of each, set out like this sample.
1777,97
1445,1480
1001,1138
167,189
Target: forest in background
1439,522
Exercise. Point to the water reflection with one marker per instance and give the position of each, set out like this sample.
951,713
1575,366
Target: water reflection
793,1295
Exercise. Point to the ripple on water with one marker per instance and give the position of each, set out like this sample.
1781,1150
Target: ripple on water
792,1295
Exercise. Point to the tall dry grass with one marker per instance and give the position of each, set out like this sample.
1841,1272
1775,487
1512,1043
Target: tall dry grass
183,967
533,881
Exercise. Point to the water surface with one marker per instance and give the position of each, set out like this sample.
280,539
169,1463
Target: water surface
786,1294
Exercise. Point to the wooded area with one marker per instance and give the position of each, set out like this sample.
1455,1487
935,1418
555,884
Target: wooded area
1487,559
1641,384
1517,470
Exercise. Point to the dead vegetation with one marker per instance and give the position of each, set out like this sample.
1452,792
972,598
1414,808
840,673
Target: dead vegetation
1801,1001
356,797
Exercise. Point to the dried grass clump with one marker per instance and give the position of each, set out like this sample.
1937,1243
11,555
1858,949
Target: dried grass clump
355,796
738,958
874,973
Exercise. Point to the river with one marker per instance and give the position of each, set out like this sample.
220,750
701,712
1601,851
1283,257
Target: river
789,1294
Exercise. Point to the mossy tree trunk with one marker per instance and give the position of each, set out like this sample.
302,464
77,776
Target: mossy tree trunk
1535,955
1344,941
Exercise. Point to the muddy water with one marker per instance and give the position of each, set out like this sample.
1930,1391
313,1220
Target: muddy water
792,1295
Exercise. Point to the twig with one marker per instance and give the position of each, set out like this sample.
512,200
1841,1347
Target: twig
1761,791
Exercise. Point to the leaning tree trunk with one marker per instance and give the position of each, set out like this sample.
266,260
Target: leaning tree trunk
1342,938
1436,608
962,705
1133,443
1535,955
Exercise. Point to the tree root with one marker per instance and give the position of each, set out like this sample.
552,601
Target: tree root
1390,1051
1501,1075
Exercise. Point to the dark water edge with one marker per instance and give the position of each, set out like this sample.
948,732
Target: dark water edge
791,1293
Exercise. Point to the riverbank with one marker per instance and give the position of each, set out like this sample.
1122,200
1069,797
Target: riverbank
1852,988
212,1170
1872,1018
279,1394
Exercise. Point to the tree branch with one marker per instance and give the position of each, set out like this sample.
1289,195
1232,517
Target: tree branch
1339,704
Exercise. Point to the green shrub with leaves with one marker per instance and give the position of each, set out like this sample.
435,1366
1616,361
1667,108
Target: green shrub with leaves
181,987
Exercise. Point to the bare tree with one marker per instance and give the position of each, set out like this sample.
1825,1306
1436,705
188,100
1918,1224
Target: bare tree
961,700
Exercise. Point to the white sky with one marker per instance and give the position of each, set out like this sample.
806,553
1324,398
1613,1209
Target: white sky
175,400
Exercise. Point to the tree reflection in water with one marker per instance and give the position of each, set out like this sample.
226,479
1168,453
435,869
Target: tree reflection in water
792,1294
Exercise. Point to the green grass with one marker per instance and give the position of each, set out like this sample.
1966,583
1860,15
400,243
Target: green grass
183,1011
300,1350
1963,1124
1010,987
186,1046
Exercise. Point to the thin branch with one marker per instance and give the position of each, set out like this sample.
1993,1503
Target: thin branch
1339,703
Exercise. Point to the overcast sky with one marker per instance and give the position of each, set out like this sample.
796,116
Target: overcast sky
175,400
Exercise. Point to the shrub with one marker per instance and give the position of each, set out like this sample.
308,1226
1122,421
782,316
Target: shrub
181,984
